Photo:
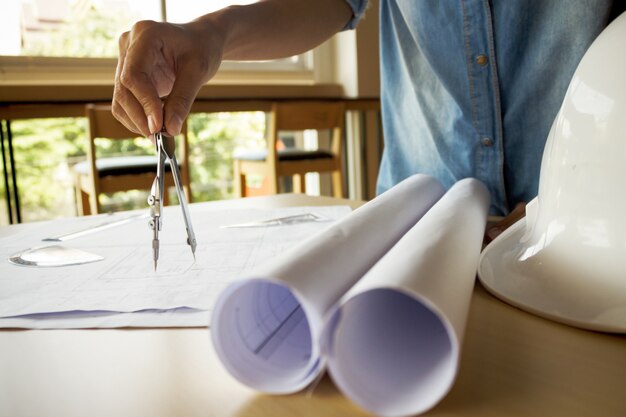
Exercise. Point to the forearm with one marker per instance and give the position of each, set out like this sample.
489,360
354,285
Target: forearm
165,59
273,29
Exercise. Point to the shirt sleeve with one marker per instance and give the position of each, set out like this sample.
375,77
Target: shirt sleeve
358,10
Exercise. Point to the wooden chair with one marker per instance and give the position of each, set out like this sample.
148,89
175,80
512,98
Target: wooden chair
275,162
121,173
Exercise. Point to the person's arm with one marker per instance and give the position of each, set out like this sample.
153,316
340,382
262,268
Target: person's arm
175,60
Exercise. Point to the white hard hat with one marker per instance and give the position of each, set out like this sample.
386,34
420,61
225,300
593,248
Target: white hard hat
567,259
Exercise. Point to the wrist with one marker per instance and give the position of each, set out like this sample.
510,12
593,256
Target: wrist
214,30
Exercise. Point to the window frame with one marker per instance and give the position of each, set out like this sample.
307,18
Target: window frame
20,70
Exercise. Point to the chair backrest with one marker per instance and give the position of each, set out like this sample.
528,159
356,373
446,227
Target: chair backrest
303,115
102,124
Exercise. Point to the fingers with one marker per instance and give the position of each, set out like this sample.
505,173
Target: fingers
178,103
136,101
518,212
143,104
128,111
117,108
157,60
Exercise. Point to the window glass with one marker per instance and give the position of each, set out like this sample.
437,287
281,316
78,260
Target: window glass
70,28
181,11
213,137
4,209
86,28
46,151
91,28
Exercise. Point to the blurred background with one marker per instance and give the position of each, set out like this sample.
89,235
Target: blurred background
52,45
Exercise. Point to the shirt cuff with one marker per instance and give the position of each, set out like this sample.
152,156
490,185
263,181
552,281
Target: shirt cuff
358,10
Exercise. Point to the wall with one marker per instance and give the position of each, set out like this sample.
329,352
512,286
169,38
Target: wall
357,57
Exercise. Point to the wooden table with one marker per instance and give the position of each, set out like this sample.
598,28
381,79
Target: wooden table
513,364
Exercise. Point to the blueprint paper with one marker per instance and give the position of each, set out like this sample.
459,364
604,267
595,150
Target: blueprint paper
177,317
381,297
393,344
125,281
266,326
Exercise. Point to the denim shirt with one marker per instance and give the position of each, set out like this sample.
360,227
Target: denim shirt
470,88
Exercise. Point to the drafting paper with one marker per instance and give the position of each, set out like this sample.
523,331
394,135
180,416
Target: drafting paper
394,342
177,317
125,280
266,326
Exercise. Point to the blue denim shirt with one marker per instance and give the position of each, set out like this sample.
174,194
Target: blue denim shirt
470,88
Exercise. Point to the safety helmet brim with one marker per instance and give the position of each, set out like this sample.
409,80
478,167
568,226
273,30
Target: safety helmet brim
566,296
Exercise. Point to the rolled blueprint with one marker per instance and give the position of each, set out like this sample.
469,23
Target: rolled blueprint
393,343
266,327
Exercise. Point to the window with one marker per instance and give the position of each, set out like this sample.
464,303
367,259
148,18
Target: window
76,40
71,28
47,149
179,11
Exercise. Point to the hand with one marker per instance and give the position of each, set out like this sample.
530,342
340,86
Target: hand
493,231
158,60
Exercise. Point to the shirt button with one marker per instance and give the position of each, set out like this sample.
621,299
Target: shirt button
486,142
481,60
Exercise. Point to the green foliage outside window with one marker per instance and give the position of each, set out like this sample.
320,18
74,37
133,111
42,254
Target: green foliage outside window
46,149
213,138
89,31
42,149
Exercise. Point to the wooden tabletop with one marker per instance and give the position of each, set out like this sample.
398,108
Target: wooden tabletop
513,364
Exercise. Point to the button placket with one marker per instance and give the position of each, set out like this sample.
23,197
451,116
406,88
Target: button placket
482,60
487,142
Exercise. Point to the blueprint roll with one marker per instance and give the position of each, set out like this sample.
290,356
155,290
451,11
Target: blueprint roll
393,343
266,327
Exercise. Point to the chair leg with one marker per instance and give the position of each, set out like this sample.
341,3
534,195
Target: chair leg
239,181
94,204
296,185
82,202
273,183
337,184
299,183
78,196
